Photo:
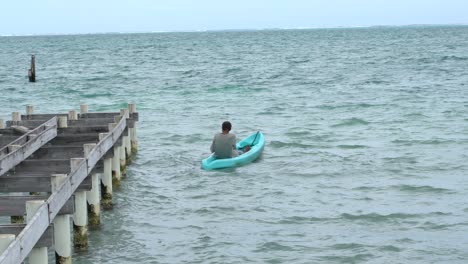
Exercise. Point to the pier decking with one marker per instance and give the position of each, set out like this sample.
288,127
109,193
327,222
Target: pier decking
53,166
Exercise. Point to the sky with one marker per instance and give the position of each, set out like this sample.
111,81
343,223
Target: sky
25,17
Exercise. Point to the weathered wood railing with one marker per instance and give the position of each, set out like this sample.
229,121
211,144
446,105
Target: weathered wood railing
36,232
21,148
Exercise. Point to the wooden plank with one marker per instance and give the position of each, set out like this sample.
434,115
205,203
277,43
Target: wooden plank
10,132
14,158
46,239
42,116
84,129
34,184
51,166
57,152
134,116
75,139
80,123
16,205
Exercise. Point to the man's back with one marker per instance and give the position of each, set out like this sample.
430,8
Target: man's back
223,145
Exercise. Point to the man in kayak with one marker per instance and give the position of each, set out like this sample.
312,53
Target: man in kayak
224,143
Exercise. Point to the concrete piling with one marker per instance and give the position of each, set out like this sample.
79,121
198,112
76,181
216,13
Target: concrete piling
62,122
37,255
92,197
106,181
72,115
80,217
83,108
29,110
62,238
5,241
116,173
132,131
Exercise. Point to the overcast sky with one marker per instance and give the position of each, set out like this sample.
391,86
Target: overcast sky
22,17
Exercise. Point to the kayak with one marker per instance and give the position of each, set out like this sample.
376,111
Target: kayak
257,143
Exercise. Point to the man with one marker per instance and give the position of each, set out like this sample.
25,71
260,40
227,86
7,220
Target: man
224,143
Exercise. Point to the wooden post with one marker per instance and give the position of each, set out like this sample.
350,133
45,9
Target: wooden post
116,174
72,115
62,122
80,217
37,255
32,70
5,241
62,239
92,197
83,108
132,131
106,183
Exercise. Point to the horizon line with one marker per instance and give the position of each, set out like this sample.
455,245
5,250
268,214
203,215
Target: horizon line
232,30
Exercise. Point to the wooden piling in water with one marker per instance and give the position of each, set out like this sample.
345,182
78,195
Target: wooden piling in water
32,70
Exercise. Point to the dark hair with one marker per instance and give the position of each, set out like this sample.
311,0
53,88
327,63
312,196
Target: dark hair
226,125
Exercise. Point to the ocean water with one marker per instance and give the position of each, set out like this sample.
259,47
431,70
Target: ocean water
366,130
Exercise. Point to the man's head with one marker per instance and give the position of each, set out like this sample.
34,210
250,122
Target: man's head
226,126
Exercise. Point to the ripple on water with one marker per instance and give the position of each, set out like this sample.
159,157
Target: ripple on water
351,122
421,189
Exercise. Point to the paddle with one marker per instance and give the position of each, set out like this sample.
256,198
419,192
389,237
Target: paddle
248,147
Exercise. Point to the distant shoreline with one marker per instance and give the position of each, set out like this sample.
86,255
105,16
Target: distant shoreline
238,30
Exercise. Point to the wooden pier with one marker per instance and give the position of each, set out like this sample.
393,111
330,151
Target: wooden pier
56,169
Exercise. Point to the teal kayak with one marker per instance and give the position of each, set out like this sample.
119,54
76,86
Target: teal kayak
257,143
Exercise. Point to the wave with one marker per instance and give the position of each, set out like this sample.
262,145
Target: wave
301,220
378,218
390,248
421,189
352,146
351,122
352,246
280,144
358,258
453,58
357,105
233,70
273,246
438,226
422,142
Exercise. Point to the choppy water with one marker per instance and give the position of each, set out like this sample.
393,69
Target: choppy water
366,129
